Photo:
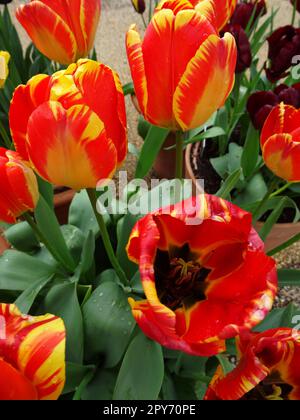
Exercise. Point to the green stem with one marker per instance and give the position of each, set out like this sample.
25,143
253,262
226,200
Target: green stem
106,239
144,21
282,189
179,155
86,380
41,238
268,194
294,13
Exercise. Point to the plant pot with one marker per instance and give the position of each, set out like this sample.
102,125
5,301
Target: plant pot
62,202
4,245
281,232
165,162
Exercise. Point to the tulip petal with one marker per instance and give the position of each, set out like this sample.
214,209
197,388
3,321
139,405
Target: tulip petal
158,69
49,32
282,119
72,137
25,99
90,77
137,66
19,188
282,155
211,73
35,347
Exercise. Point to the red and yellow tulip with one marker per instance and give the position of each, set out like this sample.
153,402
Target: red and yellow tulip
223,9
268,369
182,70
280,142
18,186
203,283
71,126
4,71
63,30
32,355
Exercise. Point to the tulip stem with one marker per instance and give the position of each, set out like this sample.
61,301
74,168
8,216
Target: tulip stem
256,213
41,238
106,239
179,155
282,189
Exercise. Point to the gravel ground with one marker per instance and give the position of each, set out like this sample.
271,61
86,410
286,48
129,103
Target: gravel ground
117,16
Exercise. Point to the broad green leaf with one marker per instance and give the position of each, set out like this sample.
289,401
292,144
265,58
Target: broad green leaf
27,298
272,219
18,271
22,238
134,381
208,134
62,301
220,165
49,226
81,214
254,191
108,323
101,387
152,145
75,373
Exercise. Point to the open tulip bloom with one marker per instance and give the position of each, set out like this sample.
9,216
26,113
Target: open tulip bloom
268,368
100,278
198,294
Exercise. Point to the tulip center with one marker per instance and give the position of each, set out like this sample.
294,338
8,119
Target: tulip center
271,389
180,278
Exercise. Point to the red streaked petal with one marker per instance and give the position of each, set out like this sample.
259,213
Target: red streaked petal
281,155
282,119
25,99
35,347
76,151
49,32
211,74
14,385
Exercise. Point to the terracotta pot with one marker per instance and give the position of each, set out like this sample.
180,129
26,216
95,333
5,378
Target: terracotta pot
165,163
280,233
4,245
62,202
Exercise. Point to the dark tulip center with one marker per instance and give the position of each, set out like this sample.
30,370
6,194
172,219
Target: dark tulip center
272,388
180,278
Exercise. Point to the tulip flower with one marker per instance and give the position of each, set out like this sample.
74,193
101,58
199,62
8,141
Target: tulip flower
244,55
284,45
63,30
81,114
139,6
182,71
261,103
18,186
32,355
4,60
245,10
204,280
223,9
268,369
280,142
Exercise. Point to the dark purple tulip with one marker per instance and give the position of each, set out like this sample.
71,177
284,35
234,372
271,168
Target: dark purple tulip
139,5
284,45
261,103
244,11
244,58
